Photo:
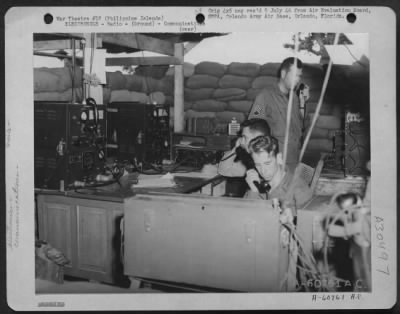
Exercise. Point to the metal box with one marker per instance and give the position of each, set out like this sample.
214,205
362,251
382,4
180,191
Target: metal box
223,243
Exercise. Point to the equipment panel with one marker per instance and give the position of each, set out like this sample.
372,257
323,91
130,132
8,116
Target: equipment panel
69,143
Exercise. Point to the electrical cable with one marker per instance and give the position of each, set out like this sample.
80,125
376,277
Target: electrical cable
317,110
354,57
290,102
355,145
97,185
229,156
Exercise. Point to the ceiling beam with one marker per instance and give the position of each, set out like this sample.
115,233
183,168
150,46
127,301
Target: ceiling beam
143,61
46,54
54,44
138,41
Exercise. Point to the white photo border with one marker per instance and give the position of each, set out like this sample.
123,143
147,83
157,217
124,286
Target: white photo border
20,25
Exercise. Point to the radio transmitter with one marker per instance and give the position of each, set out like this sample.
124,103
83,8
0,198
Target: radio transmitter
69,143
138,131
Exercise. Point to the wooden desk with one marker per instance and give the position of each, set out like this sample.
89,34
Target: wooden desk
87,230
85,224
184,185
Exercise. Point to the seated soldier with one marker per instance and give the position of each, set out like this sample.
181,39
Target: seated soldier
235,162
292,192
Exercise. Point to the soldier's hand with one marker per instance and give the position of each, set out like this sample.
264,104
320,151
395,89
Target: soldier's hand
251,176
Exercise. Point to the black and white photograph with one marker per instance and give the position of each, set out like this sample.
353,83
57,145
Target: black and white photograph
197,164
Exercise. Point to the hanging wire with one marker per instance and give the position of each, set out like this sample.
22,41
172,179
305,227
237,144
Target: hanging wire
290,103
92,50
73,69
82,46
146,79
317,110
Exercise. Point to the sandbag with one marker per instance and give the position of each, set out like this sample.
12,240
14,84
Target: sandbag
116,80
157,98
150,85
55,79
326,108
264,82
65,96
166,85
154,71
198,94
169,100
226,94
243,69
202,80
252,93
270,69
314,95
312,71
46,80
209,105
320,144
134,82
235,81
339,95
196,114
312,82
130,96
187,105
78,78
188,70
226,116
47,96
239,106
325,121
210,68
319,132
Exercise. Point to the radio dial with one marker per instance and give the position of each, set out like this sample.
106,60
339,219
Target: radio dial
84,116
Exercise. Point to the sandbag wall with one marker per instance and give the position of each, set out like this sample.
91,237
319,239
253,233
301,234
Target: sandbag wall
226,91
55,84
211,90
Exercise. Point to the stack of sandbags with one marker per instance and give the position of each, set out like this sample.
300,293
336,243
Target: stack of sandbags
125,88
242,106
137,88
236,81
210,68
227,92
220,89
270,69
202,81
55,84
154,71
123,95
244,69
325,129
200,87
65,96
209,105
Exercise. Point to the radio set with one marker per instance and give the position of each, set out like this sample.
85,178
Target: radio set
69,142
137,131
72,141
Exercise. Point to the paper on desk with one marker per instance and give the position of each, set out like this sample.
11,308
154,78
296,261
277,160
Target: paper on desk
160,181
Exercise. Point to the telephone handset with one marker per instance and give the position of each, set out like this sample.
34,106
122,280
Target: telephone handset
248,162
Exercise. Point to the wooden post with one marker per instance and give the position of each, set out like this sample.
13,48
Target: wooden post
178,90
